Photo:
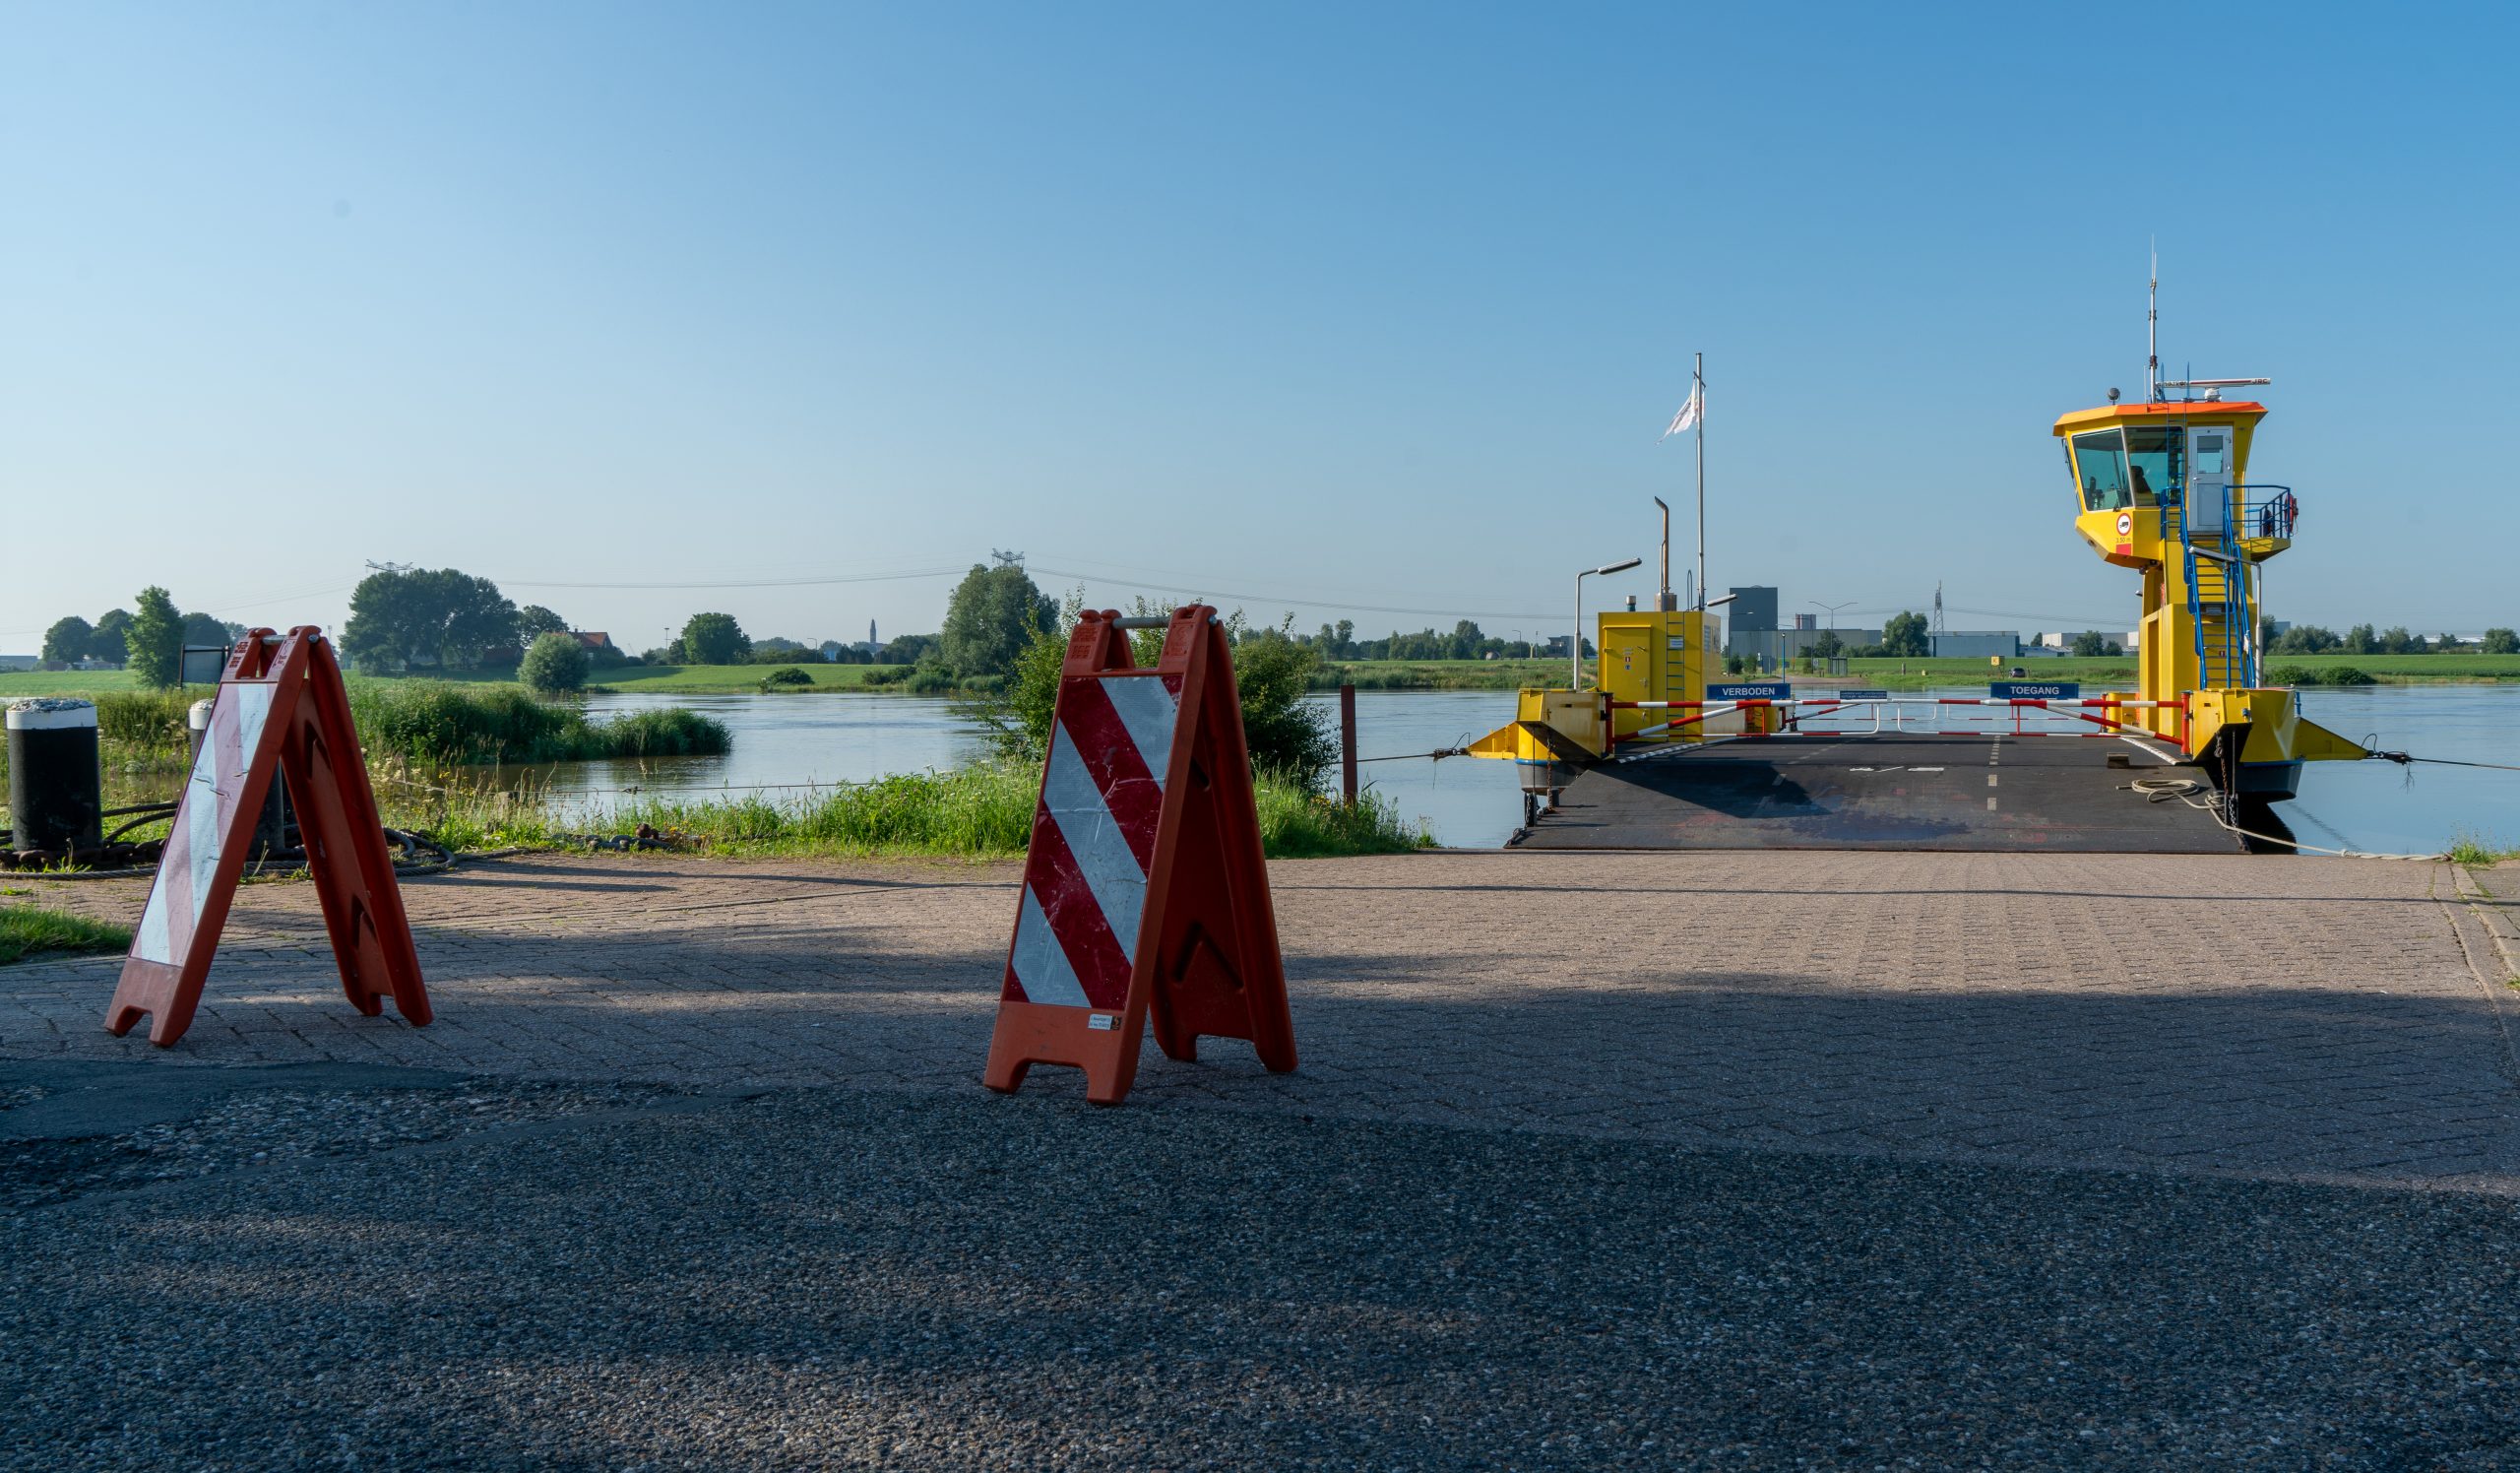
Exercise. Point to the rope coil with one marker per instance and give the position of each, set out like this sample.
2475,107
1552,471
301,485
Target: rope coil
2184,790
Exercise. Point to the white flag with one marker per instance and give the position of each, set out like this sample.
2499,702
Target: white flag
1690,412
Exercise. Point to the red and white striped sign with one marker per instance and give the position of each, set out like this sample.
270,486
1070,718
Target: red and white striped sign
1093,832
282,709
212,799
1146,895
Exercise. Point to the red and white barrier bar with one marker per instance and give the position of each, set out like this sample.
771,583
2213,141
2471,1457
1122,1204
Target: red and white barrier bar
2075,708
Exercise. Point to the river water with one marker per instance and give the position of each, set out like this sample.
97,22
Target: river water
798,739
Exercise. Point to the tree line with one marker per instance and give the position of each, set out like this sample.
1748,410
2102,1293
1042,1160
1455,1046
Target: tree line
149,641
406,620
2363,639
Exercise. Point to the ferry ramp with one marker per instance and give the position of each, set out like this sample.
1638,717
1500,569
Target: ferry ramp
1994,793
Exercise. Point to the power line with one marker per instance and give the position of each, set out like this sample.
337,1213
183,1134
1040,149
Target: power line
811,582
1188,590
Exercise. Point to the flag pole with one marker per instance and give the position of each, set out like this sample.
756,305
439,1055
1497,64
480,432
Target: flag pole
1698,383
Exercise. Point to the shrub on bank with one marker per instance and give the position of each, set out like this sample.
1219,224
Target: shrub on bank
669,732
1286,734
931,678
2337,674
555,664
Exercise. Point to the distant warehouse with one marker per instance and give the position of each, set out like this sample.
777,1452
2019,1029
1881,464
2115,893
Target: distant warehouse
1976,643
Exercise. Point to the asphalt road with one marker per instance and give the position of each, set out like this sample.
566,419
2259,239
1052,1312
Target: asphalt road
1909,793
491,1274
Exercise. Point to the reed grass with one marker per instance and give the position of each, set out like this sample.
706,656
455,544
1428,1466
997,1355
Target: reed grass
145,718
442,722
982,813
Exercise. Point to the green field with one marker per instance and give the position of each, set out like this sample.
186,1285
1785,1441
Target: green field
17,683
1921,675
1908,675
2387,670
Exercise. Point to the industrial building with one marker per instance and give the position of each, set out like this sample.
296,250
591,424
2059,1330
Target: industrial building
1756,633
1974,644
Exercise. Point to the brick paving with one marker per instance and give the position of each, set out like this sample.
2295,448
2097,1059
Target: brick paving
2284,1018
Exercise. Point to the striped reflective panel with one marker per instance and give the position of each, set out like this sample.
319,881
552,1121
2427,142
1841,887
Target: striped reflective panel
1149,709
1038,962
1094,830
209,804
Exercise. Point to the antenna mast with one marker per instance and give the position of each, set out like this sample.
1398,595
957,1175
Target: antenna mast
2152,329
1698,383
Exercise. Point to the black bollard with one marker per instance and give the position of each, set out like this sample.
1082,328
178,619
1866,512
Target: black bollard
56,791
271,835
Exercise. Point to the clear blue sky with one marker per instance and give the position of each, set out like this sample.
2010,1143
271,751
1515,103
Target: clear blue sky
1333,310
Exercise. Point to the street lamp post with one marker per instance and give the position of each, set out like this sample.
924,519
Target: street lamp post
1575,647
1832,612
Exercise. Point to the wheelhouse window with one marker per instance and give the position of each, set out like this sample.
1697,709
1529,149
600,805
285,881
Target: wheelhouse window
2156,463
2099,470
2213,449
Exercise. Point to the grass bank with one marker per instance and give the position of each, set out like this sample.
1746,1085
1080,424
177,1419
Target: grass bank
982,812
31,931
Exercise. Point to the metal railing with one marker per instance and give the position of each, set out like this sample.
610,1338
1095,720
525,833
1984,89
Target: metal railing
2266,511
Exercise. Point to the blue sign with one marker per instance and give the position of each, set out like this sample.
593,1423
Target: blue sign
2035,690
1751,690
1851,694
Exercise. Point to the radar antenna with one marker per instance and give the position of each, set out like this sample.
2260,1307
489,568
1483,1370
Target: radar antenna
2152,327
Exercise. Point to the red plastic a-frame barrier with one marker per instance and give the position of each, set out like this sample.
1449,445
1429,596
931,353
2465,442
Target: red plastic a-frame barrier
280,707
1145,897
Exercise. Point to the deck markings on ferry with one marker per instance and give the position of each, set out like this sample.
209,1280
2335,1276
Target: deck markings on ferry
1924,769
1990,805
1990,780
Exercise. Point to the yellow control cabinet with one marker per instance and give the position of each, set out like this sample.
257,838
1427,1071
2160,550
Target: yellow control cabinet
1649,656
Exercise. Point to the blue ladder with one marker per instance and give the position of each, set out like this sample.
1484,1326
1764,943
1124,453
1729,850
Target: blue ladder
2218,606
